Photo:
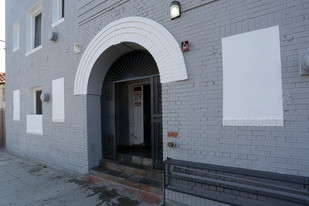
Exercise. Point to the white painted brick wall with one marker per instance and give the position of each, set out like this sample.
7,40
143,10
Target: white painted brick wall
192,107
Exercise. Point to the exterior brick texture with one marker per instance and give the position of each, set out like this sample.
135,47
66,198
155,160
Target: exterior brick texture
193,107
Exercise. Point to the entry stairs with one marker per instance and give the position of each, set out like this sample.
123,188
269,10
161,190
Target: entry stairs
133,171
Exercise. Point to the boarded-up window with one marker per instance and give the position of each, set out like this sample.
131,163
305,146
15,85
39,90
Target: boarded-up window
16,105
252,88
58,100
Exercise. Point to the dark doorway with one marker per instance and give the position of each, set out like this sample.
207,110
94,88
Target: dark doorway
131,108
133,117
147,115
135,150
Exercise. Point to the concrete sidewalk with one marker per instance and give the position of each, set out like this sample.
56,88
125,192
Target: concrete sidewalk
24,182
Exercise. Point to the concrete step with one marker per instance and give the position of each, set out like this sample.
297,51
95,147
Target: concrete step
140,170
136,160
131,180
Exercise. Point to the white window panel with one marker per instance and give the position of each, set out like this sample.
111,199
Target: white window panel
34,124
16,35
58,100
57,12
252,88
35,110
16,105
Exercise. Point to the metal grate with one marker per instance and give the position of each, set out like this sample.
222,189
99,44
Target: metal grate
235,186
132,65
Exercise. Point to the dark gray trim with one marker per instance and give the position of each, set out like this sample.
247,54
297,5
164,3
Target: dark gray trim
242,171
289,189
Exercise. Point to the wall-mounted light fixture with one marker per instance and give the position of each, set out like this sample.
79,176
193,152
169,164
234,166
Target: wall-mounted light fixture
175,10
77,48
53,36
44,97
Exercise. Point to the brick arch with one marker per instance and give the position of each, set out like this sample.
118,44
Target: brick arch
152,36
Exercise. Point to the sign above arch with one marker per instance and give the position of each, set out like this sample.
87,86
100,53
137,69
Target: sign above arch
152,36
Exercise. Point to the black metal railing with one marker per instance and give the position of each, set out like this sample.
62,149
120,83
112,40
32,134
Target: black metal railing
235,186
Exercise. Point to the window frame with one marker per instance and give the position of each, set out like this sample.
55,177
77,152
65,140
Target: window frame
62,8
35,90
16,31
31,15
58,12
36,30
34,123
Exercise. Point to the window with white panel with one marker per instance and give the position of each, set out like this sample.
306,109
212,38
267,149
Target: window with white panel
16,35
57,12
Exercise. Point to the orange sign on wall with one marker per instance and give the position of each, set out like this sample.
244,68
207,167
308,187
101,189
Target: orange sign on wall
172,134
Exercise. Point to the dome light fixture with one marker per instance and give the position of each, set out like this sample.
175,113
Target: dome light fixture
175,10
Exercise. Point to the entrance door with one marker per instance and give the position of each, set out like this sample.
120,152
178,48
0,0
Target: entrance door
108,121
133,66
156,123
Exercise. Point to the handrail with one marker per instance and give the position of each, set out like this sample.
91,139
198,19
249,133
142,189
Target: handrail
306,192
290,188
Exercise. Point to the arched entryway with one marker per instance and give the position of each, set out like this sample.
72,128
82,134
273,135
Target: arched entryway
116,39
131,108
156,39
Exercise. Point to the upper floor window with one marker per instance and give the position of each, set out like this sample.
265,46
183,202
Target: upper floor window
37,30
16,36
58,12
62,8
34,27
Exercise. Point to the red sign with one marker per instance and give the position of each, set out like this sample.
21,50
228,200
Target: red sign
172,134
138,96
137,89
137,104
185,46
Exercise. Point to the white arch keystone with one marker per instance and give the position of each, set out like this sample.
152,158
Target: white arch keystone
152,36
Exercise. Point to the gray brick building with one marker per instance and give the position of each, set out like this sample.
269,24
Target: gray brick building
84,77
